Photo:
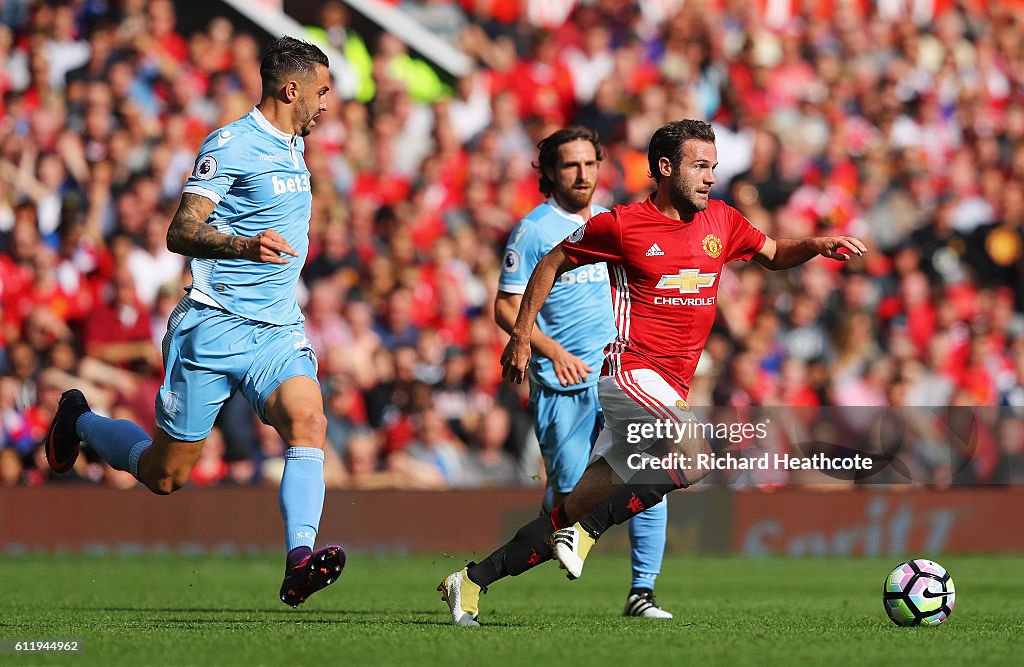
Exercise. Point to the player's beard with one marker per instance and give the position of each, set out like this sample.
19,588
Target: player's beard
578,199
304,112
685,193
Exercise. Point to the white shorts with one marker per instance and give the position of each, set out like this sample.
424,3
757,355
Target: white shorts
629,400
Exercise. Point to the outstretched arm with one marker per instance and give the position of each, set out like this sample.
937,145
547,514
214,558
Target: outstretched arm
786,253
517,352
190,235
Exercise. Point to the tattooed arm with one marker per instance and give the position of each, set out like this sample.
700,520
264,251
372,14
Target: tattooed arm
190,235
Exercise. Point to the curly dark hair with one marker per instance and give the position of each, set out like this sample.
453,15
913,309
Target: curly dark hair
548,155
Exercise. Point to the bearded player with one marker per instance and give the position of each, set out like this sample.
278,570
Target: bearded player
574,325
244,220
665,256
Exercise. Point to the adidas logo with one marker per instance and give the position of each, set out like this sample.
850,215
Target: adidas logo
562,537
644,604
654,251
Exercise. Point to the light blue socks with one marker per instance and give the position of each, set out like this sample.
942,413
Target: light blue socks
302,495
647,538
119,441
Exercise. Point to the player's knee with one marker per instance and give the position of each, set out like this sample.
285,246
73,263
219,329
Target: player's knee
309,428
163,486
167,482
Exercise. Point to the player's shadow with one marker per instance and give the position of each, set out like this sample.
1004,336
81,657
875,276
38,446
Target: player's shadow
305,616
223,610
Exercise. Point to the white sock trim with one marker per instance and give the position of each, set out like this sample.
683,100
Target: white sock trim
304,454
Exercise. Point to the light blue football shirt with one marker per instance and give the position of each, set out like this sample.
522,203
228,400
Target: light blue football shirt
257,176
578,312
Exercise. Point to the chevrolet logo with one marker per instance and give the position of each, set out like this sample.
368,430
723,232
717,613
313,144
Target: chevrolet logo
689,281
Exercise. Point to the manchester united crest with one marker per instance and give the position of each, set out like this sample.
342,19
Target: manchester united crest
712,246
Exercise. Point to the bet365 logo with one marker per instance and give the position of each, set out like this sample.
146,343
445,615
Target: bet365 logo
291,184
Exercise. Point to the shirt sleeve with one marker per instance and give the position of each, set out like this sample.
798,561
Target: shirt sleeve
523,251
599,240
746,240
220,162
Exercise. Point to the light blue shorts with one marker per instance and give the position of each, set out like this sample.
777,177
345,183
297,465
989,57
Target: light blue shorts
209,354
567,424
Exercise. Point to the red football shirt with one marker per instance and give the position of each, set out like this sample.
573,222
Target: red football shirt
664,275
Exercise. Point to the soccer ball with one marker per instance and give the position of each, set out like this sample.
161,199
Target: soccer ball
918,592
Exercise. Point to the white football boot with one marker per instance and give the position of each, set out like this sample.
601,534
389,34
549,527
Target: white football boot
644,605
571,546
463,598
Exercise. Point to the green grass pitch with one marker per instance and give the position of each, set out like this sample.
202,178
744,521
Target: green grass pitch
217,610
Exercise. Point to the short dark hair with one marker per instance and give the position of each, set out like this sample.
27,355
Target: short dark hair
668,142
288,56
548,155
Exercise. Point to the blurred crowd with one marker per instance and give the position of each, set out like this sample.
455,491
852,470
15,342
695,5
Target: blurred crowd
906,130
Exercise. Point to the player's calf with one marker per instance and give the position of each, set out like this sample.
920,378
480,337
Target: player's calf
627,502
528,548
597,484
165,466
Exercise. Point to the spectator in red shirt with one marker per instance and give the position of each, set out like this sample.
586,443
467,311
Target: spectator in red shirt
118,329
45,291
16,264
543,84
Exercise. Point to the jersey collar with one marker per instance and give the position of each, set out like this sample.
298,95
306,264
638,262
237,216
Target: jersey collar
262,121
575,217
649,204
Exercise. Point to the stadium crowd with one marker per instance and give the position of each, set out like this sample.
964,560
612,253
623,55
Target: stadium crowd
868,120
